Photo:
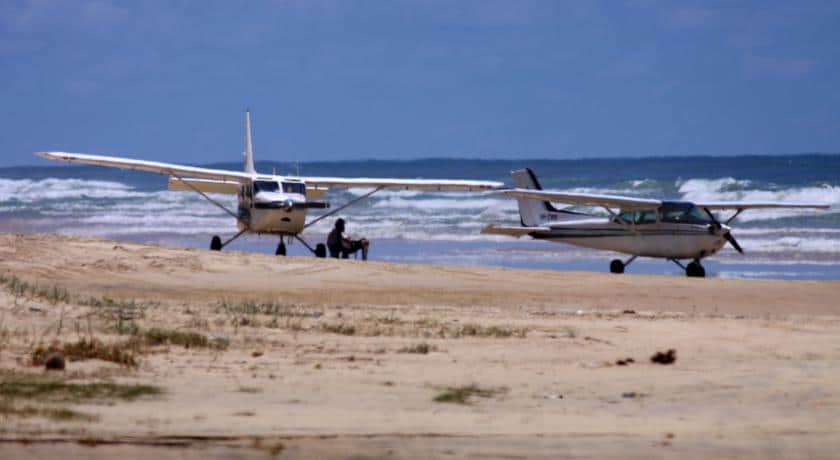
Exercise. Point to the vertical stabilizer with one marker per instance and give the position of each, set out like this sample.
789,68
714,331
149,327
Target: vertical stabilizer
249,151
532,212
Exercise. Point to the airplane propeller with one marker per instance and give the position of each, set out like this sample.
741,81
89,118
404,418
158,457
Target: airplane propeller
728,235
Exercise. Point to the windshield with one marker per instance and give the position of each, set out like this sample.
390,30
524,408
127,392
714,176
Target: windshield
682,213
265,186
294,187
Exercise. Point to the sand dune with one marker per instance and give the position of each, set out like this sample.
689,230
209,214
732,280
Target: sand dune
326,359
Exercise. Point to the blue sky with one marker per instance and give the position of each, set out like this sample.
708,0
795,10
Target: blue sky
331,80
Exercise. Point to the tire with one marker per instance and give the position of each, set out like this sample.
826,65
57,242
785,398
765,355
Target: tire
281,249
216,243
616,266
695,270
320,250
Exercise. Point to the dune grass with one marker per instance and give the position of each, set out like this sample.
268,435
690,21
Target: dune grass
462,394
54,390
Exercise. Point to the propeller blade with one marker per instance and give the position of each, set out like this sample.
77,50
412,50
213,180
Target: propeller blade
733,242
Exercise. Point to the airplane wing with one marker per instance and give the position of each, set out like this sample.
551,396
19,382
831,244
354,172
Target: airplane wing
512,231
444,185
149,166
717,206
584,199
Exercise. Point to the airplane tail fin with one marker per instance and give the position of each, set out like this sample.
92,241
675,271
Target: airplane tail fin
533,212
249,151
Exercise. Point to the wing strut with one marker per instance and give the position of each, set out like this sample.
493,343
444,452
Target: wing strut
740,210
221,206
348,204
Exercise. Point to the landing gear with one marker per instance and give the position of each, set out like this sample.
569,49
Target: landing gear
281,249
695,270
320,250
618,266
217,245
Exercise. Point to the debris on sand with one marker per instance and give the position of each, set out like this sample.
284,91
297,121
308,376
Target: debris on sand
664,358
54,362
624,362
629,312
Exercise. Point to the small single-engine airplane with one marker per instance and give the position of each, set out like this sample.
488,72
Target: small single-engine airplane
673,230
268,204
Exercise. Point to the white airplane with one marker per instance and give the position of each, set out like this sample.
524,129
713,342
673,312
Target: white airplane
672,230
268,204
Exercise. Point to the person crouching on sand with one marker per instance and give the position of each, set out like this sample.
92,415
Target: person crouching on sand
340,244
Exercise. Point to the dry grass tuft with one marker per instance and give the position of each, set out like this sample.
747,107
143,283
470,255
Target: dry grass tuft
122,353
186,339
60,414
53,390
339,328
420,348
462,394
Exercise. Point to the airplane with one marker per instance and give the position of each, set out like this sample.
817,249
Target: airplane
640,227
267,203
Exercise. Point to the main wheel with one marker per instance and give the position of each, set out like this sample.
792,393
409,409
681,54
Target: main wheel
616,266
320,250
695,270
216,243
281,249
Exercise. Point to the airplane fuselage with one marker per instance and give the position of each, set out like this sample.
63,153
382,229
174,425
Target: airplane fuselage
272,206
656,239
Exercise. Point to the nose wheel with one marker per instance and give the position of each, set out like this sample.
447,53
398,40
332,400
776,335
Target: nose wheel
281,249
695,270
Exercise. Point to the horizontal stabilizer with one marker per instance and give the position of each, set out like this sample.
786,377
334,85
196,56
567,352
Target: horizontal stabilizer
512,231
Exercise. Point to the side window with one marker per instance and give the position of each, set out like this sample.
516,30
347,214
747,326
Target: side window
646,217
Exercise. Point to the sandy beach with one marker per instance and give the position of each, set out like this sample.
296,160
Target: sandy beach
310,358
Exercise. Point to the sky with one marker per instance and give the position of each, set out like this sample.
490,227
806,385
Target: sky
336,80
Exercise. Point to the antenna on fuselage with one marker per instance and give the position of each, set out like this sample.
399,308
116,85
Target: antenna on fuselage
248,166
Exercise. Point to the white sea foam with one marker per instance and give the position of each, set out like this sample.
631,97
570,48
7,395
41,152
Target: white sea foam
29,191
730,189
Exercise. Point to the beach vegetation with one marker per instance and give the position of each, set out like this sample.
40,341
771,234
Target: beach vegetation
21,288
187,339
420,348
462,394
58,414
339,328
477,330
122,353
55,390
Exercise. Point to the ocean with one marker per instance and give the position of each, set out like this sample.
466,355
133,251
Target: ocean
443,228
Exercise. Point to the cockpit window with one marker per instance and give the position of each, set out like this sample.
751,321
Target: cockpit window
682,213
637,217
265,186
294,187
